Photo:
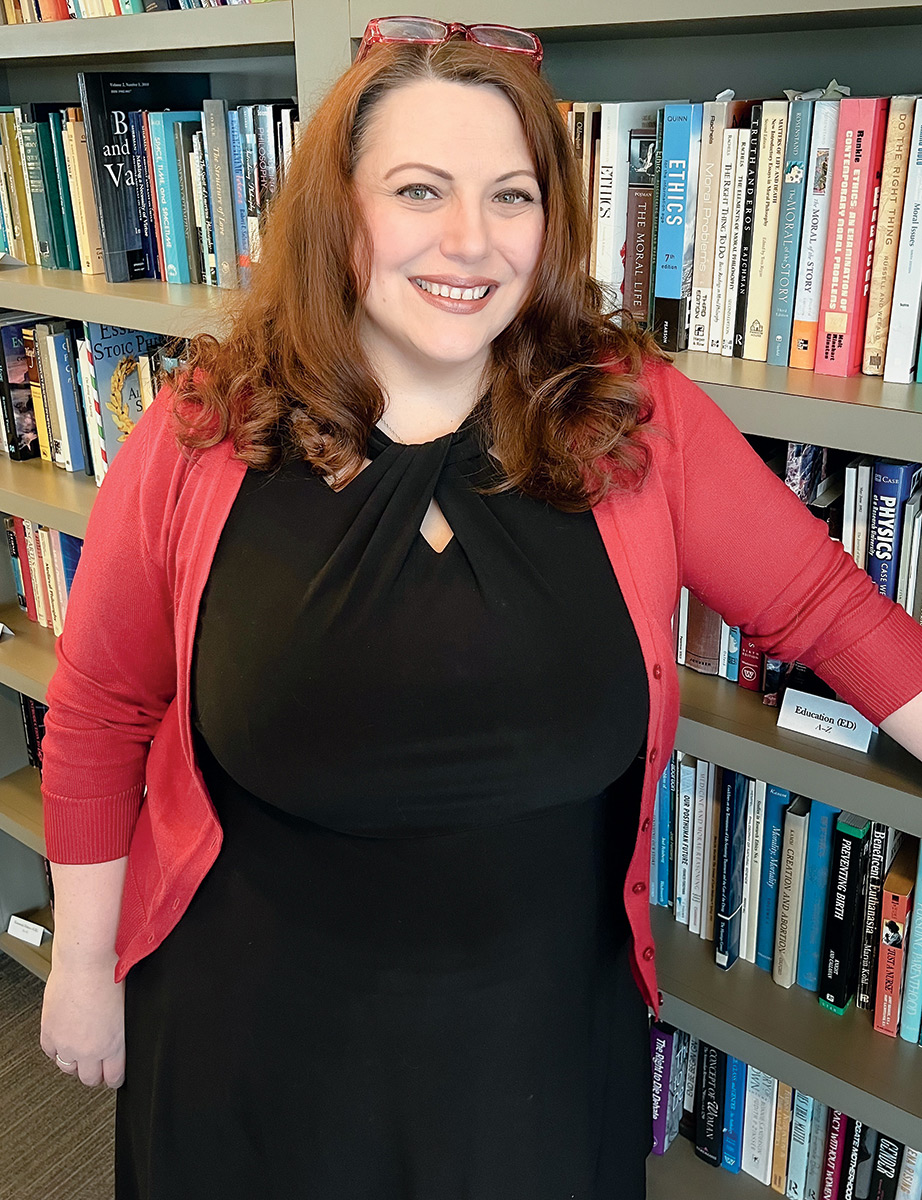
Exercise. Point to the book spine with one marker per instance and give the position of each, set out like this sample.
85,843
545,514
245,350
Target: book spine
72,253
36,185
18,581
675,224
811,264
82,160
712,1073
239,197
686,800
15,395
889,219
21,183
894,482
851,1147
759,1124
776,800
802,1119
911,1016
790,898
896,913
816,1156
22,246
909,1186
23,549
816,888
746,231
54,200
175,261
687,1119
52,412
640,224
772,139
906,305
61,352
870,944
218,167
35,390
722,239
738,208
661,1045
790,228
782,1139
850,241
731,865
39,578
885,1175
713,124
832,1169
838,977
145,198
734,1102
178,148
747,952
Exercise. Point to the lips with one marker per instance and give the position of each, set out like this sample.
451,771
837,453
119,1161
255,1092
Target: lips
455,303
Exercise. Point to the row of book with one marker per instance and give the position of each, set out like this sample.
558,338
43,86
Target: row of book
44,562
71,392
744,1120
815,896
778,230
146,178
28,12
873,506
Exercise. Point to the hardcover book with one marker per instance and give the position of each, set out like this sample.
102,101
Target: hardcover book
906,303
640,223
895,916
734,796
894,483
711,1089
776,801
816,889
738,209
746,229
885,842
790,897
790,227
841,940
759,1124
676,224
115,361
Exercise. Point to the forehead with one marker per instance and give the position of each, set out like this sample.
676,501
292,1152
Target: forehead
435,121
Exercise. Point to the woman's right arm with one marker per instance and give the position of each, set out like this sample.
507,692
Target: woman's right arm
83,1012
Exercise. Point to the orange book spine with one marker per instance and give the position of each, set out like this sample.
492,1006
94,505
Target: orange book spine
895,913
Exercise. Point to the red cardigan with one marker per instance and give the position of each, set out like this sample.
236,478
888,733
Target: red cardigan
710,515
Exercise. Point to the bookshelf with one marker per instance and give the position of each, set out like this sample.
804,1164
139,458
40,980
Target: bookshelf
592,52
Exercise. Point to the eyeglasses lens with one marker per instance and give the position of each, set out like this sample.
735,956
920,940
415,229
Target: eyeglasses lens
413,28
503,39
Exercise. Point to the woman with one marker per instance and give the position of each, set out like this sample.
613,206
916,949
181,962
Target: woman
393,660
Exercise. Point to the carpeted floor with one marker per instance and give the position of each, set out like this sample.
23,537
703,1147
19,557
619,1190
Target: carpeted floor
57,1134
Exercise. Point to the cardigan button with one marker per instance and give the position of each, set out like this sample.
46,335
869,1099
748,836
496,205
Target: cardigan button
653,754
657,670
150,939
661,998
646,825
638,888
648,953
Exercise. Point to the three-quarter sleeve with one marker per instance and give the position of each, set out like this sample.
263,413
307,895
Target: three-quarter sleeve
751,550
116,672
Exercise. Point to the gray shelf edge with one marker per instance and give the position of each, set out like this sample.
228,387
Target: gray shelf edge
64,520
681,1173
150,33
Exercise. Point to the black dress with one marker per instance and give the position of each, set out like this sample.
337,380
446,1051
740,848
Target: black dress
406,976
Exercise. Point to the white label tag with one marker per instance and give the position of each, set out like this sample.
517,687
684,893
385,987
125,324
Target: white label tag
5,632
26,931
828,720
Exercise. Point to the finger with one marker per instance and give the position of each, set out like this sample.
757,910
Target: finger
66,1064
113,1070
90,1071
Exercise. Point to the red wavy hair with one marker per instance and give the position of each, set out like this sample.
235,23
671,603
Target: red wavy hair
290,379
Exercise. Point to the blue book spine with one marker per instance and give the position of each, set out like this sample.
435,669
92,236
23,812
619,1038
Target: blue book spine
238,179
144,191
790,227
676,223
654,850
731,856
892,487
67,374
71,548
734,1103
776,801
798,1153
816,887
166,170
911,1012
664,805
733,655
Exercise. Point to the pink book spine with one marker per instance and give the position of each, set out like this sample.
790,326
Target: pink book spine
850,241
832,1170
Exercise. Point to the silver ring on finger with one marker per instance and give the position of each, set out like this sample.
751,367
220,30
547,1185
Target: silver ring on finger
62,1063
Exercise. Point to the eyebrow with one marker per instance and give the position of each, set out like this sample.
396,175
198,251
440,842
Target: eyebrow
445,174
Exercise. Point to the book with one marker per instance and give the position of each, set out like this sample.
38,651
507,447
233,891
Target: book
734,1107
816,1154
759,1124
885,842
15,392
906,303
816,889
811,263
790,227
106,99
782,1138
687,1117
886,244
711,850
851,1148
757,808
790,896
776,801
885,1174
722,238
747,229
895,917
685,802
893,484
747,952
220,190
850,240
867,1148
838,976
834,1156
709,1107
801,1121
80,183
730,865
909,1186
114,354
734,256
911,1016
9,526
766,216
676,224
702,637
640,223
662,1042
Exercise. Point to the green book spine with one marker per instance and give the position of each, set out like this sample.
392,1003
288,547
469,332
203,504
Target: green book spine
53,200
56,126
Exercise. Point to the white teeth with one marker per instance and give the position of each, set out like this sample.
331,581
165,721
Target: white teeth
452,293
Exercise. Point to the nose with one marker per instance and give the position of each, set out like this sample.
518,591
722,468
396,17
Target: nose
466,235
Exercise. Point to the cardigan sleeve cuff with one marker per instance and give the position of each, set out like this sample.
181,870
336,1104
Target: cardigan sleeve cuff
90,831
880,672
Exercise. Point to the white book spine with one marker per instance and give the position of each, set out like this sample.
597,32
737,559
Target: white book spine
812,259
801,1122
57,560
723,653
759,1125
863,510
690,1075
57,619
685,802
53,384
41,611
848,507
746,952
699,833
817,1153
722,238
712,832
902,342
682,630
736,229
910,1182
772,140
714,120
914,555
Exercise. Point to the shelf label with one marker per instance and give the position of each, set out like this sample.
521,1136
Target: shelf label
829,720
5,632
26,931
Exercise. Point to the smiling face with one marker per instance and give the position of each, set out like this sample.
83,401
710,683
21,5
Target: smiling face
448,191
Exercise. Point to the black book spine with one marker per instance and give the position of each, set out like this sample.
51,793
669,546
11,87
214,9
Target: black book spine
852,1145
870,940
29,730
712,1077
749,210
838,966
10,527
886,1173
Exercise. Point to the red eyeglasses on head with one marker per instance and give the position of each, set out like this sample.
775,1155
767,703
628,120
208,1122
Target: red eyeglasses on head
429,31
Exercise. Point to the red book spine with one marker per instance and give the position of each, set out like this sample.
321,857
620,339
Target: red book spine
896,903
24,564
53,10
751,662
858,165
